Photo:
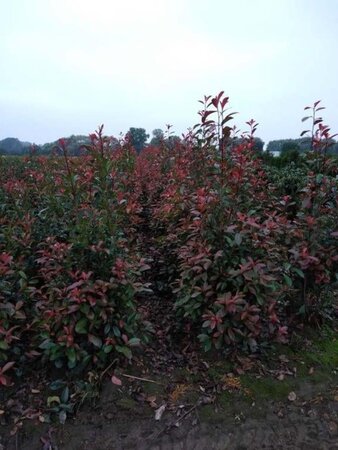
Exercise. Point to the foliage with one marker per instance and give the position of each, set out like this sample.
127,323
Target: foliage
158,137
68,278
11,146
138,138
250,247
290,146
255,251
302,145
75,144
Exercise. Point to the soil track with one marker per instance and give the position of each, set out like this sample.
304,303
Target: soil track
311,423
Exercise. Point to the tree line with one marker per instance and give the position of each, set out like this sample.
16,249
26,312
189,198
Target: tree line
139,139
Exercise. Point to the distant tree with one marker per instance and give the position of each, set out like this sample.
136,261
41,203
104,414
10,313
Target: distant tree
283,145
274,146
290,146
138,138
158,137
334,149
173,140
13,146
304,144
74,145
258,145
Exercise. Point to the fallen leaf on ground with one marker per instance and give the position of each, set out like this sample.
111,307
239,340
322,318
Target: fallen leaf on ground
116,380
283,358
292,396
159,412
152,401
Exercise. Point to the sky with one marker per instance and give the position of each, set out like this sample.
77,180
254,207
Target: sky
67,66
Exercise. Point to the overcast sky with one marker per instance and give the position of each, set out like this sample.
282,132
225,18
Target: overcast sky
67,66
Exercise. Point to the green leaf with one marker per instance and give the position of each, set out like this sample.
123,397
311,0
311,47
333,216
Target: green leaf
288,280
203,337
95,340
53,399
4,345
81,326
71,355
238,239
22,283
302,310
71,364
134,342
107,348
287,266
116,331
298,272
46,344
319,178
56,385
65,395
207,345
124,350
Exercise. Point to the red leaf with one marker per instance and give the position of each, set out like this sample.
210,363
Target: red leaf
5,381
319,120
7,366
116,380
219,96
224,101
214,101
205,114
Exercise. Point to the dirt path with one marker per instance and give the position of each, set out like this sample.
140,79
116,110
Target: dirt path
310,422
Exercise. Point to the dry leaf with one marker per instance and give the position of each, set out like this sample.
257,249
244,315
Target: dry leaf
159,412
152,401
232,383
292,396
333,428
178,392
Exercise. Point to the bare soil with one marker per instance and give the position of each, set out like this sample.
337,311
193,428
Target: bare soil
308,422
